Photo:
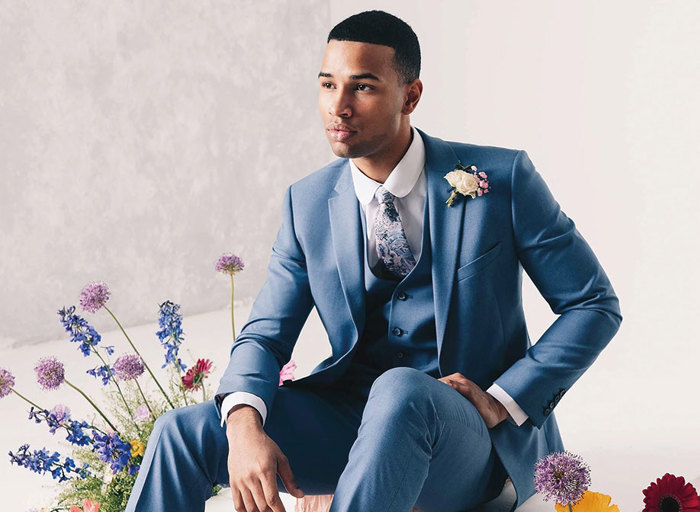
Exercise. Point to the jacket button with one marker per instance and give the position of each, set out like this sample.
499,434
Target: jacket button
399,355
402,296
397,331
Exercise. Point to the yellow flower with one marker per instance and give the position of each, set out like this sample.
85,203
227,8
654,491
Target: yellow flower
591,502
137,448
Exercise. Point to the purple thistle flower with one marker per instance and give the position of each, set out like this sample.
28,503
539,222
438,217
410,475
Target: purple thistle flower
128,367
7,382
93,296
229,264
563,477
50,373
141,414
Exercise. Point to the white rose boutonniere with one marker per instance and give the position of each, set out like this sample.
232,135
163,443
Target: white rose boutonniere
466,181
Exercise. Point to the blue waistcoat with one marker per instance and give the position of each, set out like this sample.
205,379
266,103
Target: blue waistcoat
400,314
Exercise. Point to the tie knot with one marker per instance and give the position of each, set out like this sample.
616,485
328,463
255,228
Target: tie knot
383,195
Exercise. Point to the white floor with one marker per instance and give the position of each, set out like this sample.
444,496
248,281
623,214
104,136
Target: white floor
626,447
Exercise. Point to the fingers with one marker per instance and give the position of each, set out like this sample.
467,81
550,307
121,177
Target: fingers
271,492
260,497
248,502
288,478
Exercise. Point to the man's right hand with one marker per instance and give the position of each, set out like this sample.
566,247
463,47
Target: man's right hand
253,463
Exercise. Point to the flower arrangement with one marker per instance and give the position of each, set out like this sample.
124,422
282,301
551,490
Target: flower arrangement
107,451
565,477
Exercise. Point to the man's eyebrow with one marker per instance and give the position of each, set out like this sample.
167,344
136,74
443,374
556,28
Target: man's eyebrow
363,76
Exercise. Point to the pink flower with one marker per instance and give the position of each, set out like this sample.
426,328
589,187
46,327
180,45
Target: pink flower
194,378
287,371
91,506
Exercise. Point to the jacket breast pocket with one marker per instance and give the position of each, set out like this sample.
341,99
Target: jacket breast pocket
479,263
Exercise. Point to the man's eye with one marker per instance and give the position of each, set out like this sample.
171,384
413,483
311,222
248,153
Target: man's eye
364,87
326,85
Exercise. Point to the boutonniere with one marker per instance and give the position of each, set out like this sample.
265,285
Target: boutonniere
466,181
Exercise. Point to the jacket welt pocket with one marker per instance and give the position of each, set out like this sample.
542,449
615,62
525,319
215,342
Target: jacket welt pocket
478,263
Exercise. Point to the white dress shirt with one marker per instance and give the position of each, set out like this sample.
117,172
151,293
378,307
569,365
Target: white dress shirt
407,183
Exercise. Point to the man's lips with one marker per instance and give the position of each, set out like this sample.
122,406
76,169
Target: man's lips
340,133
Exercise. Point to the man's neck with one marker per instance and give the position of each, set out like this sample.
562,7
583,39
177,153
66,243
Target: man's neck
379,169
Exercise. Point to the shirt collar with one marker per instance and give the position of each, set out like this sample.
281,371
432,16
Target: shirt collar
402,178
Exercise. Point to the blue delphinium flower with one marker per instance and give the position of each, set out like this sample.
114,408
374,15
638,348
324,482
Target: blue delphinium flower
110,448
80,330
57,418
103,371
170,333
41,461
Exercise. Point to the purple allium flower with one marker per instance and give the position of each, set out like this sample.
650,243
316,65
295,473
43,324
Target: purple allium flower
128,367
61,413
7,382
94,296
563,477
229,264
50,373
141,414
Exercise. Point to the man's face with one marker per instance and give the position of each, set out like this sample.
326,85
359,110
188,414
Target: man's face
360,98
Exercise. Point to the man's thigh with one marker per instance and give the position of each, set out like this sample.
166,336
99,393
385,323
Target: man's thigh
315,429
464,469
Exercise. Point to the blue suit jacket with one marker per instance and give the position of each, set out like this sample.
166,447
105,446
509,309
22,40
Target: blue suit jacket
479,247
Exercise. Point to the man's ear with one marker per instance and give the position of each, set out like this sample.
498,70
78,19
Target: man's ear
413,94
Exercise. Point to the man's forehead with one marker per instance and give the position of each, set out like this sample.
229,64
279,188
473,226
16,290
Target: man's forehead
352,59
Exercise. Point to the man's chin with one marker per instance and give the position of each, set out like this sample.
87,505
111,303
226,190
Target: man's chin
344,150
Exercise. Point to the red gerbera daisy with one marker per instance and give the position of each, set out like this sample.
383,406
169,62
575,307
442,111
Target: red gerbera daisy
671,494
194,378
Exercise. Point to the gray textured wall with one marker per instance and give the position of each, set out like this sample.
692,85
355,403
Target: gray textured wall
139,141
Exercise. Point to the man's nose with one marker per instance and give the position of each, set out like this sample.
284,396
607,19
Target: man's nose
340,106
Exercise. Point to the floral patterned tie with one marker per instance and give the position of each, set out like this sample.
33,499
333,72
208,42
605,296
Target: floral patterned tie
392,247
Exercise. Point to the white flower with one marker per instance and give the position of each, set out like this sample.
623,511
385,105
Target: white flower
464,182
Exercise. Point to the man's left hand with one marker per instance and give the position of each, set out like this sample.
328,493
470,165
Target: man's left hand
490,409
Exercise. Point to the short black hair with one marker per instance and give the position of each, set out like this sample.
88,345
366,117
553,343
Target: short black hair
380,27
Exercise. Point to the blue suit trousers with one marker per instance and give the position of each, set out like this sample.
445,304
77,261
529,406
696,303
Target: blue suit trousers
379,443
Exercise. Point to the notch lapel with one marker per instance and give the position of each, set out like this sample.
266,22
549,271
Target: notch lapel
445,227
346,232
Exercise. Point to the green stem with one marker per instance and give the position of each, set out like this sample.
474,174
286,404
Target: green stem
144,397
233,327
93,404
27,400
204,393
179,375
137,352
570,509
113,378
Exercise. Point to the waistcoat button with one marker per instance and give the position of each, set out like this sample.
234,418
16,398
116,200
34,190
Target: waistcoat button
397,331
402,296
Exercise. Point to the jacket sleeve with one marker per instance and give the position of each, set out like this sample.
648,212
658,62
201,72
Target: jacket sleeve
567,273
279,312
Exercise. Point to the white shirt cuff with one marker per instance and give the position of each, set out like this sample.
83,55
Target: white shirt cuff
242,397
517,415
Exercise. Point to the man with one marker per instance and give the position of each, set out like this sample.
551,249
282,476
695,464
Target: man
433,394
